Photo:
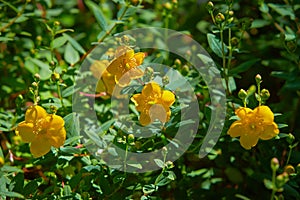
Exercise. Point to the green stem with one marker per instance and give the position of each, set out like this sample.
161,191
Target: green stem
273,183
60,96
289,155
224,61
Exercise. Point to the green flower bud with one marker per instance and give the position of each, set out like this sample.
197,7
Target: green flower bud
177,62
290,138
274,164
164,151
168,6
165,80
56,23
37,77
265,94
234,41
169,164
34,84
210,6
220,18
130,139
55,76
258,78
242,94
53,109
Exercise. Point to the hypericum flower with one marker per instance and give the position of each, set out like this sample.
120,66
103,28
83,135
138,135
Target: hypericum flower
253,125
124,66
106,81
153,103
42,130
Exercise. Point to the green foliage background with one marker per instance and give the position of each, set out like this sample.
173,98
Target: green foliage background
47,36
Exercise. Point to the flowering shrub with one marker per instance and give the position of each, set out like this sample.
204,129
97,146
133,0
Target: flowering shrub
164,99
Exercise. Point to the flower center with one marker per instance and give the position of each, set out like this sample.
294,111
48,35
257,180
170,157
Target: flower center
40,126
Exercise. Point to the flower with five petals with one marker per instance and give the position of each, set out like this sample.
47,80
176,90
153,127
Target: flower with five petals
253,125
153,103
42,130
124,66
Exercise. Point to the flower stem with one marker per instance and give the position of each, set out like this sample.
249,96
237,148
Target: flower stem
274,184
289,155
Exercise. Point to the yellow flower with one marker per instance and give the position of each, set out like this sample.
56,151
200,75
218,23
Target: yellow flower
106,81
153,103
253,125
42,130
126,61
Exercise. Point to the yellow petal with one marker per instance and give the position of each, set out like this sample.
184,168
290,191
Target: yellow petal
98,68
248,140
115,68
56,137
100,86
40,146
157,111
139,58
25,130
124,80
152,89
109,82
168,98
269,131
265,113
34,113
56,121
136,73
145,119
236,129
242,112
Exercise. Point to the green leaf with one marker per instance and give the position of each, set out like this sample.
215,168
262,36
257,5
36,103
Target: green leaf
7,168
58,42
71,55
74,43
259,23
135,165
72,125
165,178
159,163
148,189
268,184
125,12
98,14
11,194
216,45
284,10
44,71
243,66
69,91
70,150
30,188
197,172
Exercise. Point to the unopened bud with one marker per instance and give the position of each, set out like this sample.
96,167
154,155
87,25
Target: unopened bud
37,77
290,138
130,139
164,151
220,18
234,41
265,94
56,23
169,164
165,80
230,12
185,70
274,164
53,109
55,77
242,94
177,62
298,168
39,38
1,161
258,78
34,84
210,6
289,169
168,5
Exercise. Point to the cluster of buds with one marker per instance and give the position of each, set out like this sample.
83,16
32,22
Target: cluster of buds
220,18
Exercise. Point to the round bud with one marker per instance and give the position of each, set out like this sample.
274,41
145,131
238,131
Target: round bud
56,23
258,78
290,138
210,6
169,164
220,18
242,94
37,77
265,94
274,163
55,76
